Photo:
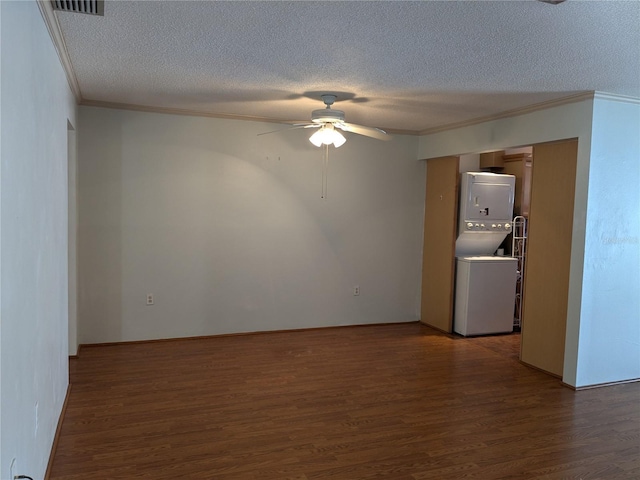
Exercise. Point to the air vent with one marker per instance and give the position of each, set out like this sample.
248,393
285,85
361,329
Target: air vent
90,7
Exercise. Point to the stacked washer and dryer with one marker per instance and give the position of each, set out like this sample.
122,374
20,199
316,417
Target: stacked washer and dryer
485,282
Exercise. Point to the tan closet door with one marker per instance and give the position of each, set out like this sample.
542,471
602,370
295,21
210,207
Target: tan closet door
438,254
546,283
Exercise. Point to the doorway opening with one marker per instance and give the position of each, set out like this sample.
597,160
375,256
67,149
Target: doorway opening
543,203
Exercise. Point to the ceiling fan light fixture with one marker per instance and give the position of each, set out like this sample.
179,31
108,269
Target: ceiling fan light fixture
327,135
330,122
327,115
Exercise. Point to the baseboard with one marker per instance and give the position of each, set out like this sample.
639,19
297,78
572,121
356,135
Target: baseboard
586,387
56,437
601,385
73,357
437,329
559,377
239,334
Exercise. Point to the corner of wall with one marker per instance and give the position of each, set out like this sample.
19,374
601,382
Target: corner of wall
609,334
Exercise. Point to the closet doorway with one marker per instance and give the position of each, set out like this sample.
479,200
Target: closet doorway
548,256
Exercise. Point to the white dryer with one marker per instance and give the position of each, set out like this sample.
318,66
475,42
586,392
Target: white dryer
486,209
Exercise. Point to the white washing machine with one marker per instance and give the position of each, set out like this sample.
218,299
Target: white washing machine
485,293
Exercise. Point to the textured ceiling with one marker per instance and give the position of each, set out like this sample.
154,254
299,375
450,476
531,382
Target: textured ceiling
409,66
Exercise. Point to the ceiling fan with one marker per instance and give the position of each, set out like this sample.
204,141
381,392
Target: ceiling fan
330,122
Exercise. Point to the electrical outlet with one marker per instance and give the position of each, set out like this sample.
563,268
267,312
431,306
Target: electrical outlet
356,291
149,298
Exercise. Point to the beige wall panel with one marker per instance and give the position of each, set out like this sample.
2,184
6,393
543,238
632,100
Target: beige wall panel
441,206
548,255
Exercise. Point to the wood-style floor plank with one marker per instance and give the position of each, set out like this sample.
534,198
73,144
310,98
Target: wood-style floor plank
398,402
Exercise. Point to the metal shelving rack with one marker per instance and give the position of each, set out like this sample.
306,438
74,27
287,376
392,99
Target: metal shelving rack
519,250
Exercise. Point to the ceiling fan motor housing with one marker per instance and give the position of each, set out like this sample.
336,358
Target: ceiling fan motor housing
327,115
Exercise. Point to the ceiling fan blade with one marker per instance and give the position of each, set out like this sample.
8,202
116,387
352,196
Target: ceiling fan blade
362,130
293,127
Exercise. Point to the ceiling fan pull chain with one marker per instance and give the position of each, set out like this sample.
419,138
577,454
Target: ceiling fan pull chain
325,171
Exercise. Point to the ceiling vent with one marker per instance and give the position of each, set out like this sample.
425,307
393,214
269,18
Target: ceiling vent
90,7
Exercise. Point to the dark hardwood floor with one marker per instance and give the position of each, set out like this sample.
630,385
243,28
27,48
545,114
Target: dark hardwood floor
378,402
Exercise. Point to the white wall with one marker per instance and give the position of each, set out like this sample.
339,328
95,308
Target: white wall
36,104
610,324
1,464
228,231
567,121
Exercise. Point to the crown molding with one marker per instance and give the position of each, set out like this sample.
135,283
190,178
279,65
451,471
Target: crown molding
513,113
51,21
616,98
196,113
507,114
177,111
399,131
